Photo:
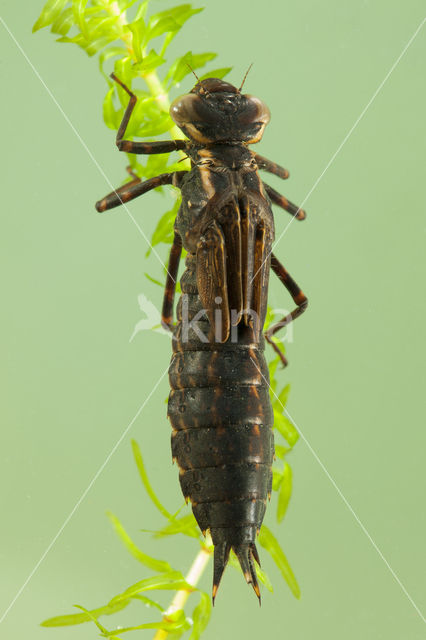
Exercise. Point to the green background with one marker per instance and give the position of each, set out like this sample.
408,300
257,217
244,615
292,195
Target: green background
72,381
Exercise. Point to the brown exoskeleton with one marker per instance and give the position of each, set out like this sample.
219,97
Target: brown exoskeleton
219,404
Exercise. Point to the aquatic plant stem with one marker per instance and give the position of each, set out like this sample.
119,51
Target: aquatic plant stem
194,574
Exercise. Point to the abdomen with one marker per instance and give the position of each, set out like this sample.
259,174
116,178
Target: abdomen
222,439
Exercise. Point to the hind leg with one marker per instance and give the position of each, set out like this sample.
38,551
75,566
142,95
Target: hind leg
299,298
170,288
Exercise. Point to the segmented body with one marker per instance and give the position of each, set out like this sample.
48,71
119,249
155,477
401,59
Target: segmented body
222,439
219,404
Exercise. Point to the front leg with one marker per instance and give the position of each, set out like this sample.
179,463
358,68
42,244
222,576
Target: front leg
272,167
161,146
135,188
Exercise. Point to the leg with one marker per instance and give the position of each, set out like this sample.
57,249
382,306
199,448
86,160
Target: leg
299,298
268,165
281,201
120,190
162,146
169,291
136,188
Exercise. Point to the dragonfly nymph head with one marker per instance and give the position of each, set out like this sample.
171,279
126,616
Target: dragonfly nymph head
216,112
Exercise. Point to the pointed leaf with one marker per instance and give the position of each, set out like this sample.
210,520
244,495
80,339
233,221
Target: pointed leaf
149,63
63,22
49,13
283,396
156,27
286,428
270,543
174,622
277,478
93,618
281,451
78,7
285,492
164,229
186,525
171,581
184,65
144,477
217,73
138,30
111,116
264,578
141,12
110,53
161,284
148,602
148,561
79,618
201,616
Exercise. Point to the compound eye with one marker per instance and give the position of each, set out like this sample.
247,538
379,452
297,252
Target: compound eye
182,109
257,110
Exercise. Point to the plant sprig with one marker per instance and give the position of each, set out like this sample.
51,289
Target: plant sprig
137,48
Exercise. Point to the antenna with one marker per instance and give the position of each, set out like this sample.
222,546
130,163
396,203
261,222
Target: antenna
244,79
188,65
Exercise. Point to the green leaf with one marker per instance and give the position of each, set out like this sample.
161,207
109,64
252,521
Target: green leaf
170,581
78,7
186,525
164,229
141,12
286,428
264,578
125,4
272,373
270,543
149,602
63,22
174,622
201,616
148,561
79,618
138,31
281,451
283,396
161,284
179,14
96,45
217,73
110,53
149,63
183,65
144,477
90,46
156,127
93,618
49,13
285,492
124,71
156,27
277,478
111,116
